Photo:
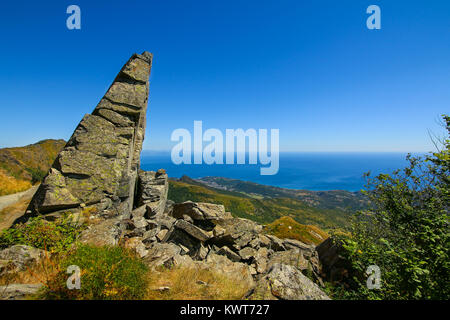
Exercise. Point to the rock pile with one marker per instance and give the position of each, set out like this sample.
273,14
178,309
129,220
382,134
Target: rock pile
204,235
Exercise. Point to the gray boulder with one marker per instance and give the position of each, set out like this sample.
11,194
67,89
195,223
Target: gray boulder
285,282
19,257
200,211
19,291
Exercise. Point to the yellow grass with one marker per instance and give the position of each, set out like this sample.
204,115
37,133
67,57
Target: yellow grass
9,185
194,284
288,228
184,283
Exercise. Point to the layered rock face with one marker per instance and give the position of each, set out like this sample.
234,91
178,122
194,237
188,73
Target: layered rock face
100,161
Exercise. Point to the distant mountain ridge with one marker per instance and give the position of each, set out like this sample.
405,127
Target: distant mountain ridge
334,199
266,207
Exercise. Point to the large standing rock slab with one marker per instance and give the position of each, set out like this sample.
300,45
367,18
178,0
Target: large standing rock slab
101,158
286,283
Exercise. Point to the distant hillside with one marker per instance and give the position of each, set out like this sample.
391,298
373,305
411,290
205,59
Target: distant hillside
336,199
258,208
288,228
21,167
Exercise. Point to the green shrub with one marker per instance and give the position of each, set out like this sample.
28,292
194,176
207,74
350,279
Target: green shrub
107,273
55,236
405,232
37,175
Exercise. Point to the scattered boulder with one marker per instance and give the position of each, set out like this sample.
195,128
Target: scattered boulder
234,270
293,257
107,232
200,211
19,291
285,282
162,254
275,243
192,230
19,257
137,246
230,254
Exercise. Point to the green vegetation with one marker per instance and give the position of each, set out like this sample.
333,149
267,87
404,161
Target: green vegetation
107,273
55,236
37,175
334,199
264,210
405,232
288,228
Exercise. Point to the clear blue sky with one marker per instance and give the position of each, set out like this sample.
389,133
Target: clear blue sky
310,68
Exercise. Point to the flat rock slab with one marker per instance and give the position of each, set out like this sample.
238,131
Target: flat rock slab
18,291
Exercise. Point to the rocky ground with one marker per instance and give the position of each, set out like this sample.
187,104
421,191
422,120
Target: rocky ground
200,235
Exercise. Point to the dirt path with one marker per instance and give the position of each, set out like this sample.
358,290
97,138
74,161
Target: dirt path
10,199
14,205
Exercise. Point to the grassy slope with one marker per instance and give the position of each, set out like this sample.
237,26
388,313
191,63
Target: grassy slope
265,210
21,166
286,227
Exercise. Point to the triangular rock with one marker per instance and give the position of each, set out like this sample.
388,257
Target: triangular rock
101,158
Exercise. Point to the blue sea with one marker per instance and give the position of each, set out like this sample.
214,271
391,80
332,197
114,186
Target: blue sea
308,170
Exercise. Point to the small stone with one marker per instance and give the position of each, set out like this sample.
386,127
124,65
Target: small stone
161,234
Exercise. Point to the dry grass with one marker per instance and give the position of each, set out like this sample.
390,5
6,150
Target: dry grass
184,283
194,284
40,272
288,228
10,185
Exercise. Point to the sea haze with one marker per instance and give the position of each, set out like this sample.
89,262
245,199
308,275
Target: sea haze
308,170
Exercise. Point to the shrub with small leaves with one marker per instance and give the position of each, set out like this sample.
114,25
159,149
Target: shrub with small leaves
55,236
107,273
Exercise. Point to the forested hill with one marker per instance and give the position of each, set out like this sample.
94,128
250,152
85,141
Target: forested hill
327,210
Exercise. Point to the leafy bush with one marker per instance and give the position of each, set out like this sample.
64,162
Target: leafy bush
37,175
54,236
406,232
107,273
